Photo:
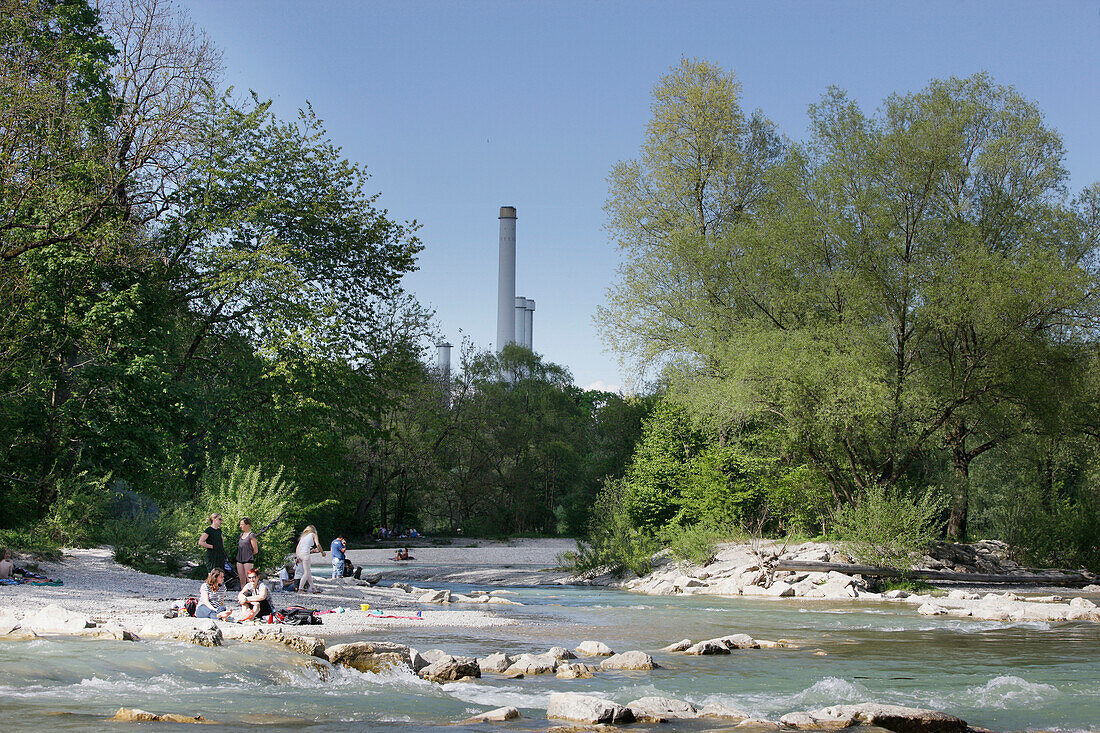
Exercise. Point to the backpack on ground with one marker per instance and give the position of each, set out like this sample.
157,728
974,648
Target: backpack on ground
190,605
297,616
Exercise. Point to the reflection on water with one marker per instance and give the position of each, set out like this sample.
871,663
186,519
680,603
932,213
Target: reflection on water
1005,676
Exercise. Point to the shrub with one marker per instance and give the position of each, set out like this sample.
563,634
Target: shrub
613,540
159,545
30,541
696,542
885,528
236,491
76,516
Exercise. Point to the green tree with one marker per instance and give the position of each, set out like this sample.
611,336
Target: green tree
905,284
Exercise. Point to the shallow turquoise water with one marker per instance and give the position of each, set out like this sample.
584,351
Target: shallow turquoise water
1003,676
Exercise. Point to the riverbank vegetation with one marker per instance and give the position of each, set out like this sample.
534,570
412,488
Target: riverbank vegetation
889,324
893,319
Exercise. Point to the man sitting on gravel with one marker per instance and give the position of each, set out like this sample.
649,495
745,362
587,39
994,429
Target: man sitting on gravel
7,567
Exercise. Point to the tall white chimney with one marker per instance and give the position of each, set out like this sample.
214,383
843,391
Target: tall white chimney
528,323
506,279
443,359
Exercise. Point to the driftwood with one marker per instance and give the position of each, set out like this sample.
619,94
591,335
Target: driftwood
1053,578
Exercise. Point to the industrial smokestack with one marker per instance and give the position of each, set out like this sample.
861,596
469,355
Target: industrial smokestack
506,279
443,359
528,323
520,312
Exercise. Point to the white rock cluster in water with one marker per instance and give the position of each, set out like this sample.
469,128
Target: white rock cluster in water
594,710
748,570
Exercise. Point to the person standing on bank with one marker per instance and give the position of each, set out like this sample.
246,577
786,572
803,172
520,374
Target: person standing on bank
308,543
211,541
338,546
248,546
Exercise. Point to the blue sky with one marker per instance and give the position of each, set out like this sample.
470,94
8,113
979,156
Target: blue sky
458,108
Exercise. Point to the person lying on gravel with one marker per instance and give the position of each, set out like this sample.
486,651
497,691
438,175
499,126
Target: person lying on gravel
212,597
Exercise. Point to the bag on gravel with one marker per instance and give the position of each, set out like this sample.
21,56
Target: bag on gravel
190,605
297,616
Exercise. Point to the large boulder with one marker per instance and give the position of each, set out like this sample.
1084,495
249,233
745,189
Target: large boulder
710,646
371,656
678,646
577,671
451,669
435,596
203,632
9,621
594,649
739,641
560,653
135,715
629,660
308,645
586,709
662,707
526,664
113,630
54,619
891,717
494,716
497,662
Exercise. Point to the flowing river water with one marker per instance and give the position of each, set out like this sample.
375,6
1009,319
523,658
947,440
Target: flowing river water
998,675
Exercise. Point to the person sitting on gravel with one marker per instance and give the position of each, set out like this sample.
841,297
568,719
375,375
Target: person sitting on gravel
290,573
254,597
402,554
212,597
7,567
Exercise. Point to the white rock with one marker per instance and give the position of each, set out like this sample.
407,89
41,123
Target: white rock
629,660
780,589
896,594
576,671
678,646
586,709
662,707
497,662
739,641
758,724
931,609
710,646
962,595
530,664
1081,603
594,649
494,716
560,653
54,619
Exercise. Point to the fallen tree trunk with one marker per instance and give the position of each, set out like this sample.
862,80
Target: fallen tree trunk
1051,578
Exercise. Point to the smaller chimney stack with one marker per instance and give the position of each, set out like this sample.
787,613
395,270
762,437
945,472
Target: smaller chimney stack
443,359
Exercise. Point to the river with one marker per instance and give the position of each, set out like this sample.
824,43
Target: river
997,675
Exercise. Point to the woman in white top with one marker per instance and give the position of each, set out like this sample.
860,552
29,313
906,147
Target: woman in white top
308,543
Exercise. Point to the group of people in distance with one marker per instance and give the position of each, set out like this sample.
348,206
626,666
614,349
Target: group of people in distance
253,598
